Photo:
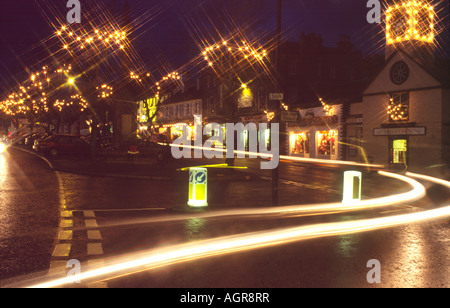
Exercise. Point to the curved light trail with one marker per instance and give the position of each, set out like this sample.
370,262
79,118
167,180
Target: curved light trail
155,258
284,157
418,191
220,246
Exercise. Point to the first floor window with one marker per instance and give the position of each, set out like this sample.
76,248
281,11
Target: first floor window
398,108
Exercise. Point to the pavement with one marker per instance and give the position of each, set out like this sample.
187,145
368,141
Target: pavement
128,167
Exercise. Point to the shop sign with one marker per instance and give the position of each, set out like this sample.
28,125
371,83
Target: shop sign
290,116
254,119
317,121
400,131
276,96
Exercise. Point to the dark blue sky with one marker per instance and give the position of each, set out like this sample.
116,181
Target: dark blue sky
171,26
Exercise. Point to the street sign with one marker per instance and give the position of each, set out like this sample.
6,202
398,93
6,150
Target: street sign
198,187
276,96
290,116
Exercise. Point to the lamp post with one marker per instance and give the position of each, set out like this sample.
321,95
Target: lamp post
275,172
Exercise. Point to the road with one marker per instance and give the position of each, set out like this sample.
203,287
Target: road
106,219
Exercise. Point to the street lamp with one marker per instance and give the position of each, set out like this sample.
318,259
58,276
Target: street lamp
2,148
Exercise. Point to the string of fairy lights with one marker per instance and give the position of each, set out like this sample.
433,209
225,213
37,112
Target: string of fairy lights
215,55
326,108
242,50
40,92
36,93
80,39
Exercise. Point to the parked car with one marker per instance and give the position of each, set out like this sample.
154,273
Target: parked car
161,152
103,142
160,138
57,145
29,140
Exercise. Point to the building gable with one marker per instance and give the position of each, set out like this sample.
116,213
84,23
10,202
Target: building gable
416,77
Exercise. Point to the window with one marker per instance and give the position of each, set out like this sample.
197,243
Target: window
333,72
326,142
399,73
398,109
212,105
299,143
188,110
293,67
180,110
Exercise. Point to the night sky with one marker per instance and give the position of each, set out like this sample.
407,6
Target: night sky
173,28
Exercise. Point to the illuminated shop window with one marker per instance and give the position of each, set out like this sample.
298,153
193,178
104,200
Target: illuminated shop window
327,142
178,130
398,109
399,151
299,143
264,138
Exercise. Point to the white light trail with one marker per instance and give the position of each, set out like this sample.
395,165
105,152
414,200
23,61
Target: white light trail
220,246
284,157
429,178
415,194
193,251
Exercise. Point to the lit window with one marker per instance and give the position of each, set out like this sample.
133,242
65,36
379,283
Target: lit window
299,143
398,109
327,141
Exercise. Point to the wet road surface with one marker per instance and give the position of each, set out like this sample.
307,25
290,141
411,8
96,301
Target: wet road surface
113,216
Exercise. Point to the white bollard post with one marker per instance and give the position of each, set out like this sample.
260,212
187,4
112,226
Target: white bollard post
352,186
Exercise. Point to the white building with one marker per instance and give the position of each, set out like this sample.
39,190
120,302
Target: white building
406,109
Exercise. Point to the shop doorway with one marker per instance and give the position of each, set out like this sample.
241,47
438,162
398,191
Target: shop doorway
398,152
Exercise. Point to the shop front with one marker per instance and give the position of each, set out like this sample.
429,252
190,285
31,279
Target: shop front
315,135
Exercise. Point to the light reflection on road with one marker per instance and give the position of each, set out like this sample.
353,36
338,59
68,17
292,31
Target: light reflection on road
3,171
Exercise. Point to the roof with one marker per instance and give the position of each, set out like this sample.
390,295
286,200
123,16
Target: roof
184,96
